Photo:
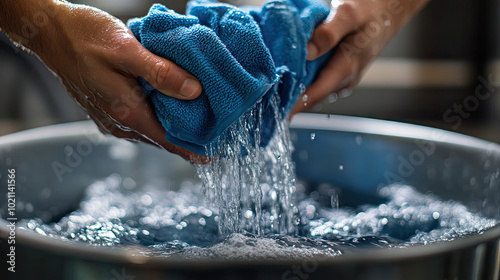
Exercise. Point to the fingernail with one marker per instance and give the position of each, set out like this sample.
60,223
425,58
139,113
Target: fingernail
312,51
346,81
345,93
190,87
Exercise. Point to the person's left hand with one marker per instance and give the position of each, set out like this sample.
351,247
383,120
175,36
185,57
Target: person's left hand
359,29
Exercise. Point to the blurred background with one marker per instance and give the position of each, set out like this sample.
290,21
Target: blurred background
446,60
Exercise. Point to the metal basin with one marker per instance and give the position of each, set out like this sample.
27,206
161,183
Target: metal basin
54,165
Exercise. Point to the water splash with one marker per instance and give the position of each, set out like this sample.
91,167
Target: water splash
408,216
179,224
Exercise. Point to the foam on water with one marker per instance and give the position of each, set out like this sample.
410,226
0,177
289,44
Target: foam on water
180,224
251,209
408,215
244,247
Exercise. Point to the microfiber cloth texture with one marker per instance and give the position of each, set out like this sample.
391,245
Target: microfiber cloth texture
240,56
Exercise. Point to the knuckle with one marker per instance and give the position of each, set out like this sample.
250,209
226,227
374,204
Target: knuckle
121,48
349,11
159,73
329,36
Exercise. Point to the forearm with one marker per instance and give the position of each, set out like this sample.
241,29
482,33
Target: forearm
30,23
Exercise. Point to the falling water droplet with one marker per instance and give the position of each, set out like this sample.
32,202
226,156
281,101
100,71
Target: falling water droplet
302,88
313,136
334,201
305,97
341,167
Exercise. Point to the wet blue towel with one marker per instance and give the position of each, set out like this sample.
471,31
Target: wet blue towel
240,56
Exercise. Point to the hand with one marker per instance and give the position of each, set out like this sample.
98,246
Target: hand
359,29
99,60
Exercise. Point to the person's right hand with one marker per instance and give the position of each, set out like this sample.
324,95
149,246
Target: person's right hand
99,60
356,31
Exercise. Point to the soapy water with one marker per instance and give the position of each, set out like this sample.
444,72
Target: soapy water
182,224
253,208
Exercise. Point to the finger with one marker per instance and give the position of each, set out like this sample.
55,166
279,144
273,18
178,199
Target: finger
342,21
138,122
165,75
338,74
128,116
108,125
135,137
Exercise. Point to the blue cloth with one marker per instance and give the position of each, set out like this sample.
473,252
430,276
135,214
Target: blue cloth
240,55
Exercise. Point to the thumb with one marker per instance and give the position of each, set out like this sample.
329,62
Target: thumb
330,33
166,76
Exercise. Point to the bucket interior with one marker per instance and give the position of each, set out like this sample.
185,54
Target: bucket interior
54,165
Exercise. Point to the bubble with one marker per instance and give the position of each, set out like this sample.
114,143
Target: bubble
129,183
248,214
40,231
146,200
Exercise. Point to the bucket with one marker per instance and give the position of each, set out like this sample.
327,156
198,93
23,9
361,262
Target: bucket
53,166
